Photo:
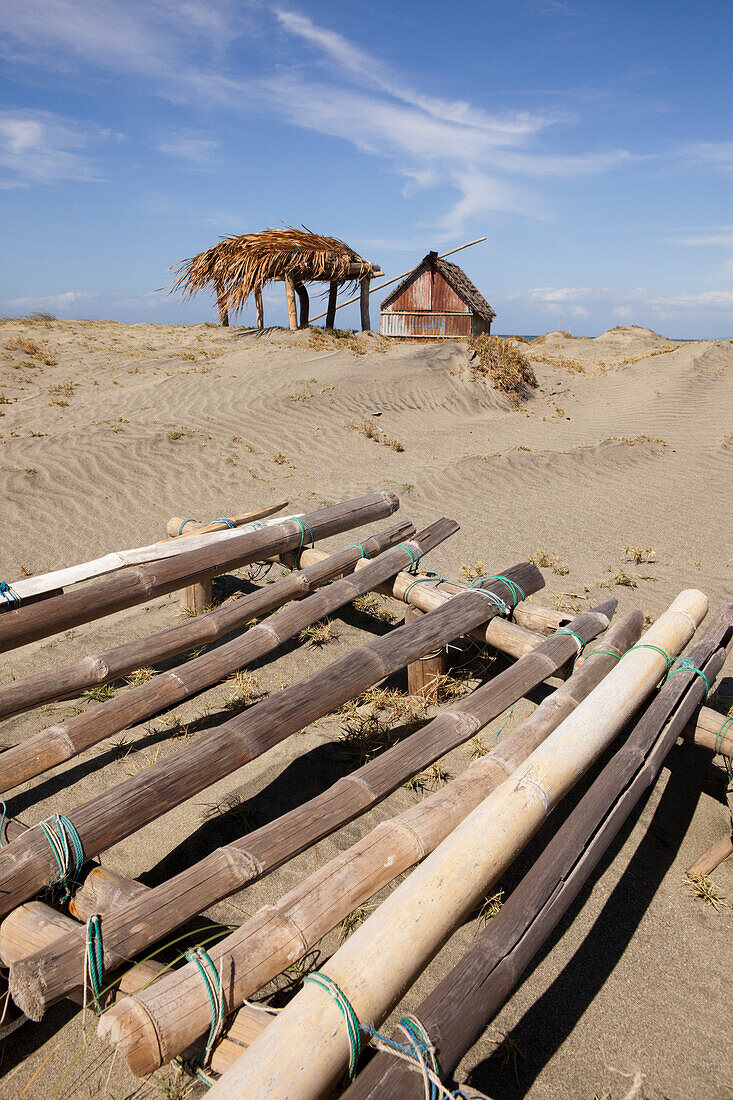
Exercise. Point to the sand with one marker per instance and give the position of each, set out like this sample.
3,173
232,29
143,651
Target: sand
106,430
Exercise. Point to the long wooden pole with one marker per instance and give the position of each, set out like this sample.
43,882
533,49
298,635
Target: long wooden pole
179,527
28,864
396,279
227,550
305,1050
461,1005
45,584
279,934
42,980
67,739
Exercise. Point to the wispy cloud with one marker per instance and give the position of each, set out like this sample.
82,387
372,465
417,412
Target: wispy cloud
69,302
191,145
43,147
634,303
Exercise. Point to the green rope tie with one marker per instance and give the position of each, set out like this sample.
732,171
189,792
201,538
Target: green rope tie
212,984
346,1010
2,823
414,556
357,546
67,849
436,578
656,648
94,959
303,525
608,651
183,524
718,746
578,640
686,665
515,589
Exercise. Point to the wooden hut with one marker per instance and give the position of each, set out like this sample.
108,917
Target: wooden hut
238,266
436,299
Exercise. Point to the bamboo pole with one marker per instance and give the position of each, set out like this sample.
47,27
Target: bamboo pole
228,550
167,1018
711,730
397,278
28,864
63,741
132,929
461,1005
99,668
304,1051
705,864
180,527
46,584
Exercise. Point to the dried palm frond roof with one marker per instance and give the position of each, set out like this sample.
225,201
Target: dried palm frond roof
239,264
455,277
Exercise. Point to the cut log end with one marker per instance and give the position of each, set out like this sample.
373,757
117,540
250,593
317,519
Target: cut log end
24,983
128,1028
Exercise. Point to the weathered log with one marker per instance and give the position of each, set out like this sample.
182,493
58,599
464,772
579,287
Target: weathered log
179,527
259,307
711,730
172,1014
461,1005
28,864
227,550
222,304
305,1049
423,673
364,304
705,864
67,739
304,303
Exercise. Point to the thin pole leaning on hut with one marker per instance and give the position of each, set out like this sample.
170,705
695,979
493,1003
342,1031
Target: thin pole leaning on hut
228,550
42,980
29,864
386,953
176,1010
179,527
461,1005
67,739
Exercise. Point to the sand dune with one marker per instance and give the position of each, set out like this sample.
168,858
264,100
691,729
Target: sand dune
107,430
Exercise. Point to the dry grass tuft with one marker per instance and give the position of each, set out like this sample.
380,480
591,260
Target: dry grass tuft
508,368
319,634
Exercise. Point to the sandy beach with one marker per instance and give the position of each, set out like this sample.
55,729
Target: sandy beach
614,476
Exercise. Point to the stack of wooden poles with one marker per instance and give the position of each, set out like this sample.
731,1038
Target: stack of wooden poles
85,939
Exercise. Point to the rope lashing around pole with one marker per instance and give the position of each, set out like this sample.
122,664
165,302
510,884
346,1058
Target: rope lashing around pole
67,849
9,595
212,983
414,556
717,747
578,640
224,519
516,590
350,1017
357,546
2,822
94,959
419,1055
303,525
686,665
608,651
183,524
656,648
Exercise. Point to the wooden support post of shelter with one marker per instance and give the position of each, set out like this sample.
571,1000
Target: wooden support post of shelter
422,674
292,308
259,307
364,303
304,303
333,288
221,302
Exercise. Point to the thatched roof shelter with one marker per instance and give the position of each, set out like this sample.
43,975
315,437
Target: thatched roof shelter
238,266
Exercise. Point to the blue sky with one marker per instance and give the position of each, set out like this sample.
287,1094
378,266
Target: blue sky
592,143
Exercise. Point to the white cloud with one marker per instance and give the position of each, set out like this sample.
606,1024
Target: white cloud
192,145
73,300
635,302
42,147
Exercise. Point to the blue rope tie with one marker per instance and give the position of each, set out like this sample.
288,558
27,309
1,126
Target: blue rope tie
183,524
212,983
419,1054
223,519
686,665
9,595
95,958
350,1017
67,849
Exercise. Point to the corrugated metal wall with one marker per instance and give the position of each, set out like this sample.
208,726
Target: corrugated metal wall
416,295
448,325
